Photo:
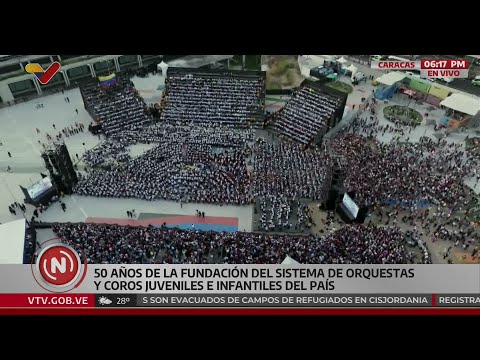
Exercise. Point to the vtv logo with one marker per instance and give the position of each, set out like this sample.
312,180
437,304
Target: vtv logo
59,265
56,265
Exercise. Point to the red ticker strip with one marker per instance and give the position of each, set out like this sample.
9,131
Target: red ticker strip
240,312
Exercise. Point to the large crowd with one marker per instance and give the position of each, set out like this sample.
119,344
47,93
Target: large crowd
116,108
305,114
188,164
115,148
287,169
205,164
285,173
105,153
202,98
200,156
427,170
422,182
113,244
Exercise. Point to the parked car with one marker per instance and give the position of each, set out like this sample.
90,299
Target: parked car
413,73
429,79
446,79
476,81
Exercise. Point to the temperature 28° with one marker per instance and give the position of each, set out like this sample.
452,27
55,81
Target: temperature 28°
122,300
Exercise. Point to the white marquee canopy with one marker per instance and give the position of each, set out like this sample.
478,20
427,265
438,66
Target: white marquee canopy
12,239
463,103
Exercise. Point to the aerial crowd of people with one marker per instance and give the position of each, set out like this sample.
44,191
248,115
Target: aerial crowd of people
188,163
116,108
426,170
197,152
114,244
288,169
305,114
205,98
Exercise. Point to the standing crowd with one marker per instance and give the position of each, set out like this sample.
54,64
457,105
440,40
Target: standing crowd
113,244
427,170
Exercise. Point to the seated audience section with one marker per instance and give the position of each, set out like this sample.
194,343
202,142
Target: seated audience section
116,108
234,98
287,177
308,115
187,163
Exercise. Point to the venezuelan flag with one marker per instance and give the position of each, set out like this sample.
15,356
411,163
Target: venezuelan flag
107,81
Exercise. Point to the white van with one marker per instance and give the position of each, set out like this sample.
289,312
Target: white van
359,76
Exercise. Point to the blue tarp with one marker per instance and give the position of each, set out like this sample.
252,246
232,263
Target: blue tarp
444,120
383,93
408,203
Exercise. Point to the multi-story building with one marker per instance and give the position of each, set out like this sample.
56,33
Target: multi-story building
16,84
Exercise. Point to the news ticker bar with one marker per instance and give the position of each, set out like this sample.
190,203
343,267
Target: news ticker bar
289,300
286,300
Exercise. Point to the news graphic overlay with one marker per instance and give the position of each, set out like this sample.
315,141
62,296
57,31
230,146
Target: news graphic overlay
60,283
279,286
444,68
428,68
58,268
43,76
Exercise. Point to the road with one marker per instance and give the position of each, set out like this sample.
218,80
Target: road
465,85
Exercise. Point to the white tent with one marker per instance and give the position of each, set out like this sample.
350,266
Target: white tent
391,78
463,103
12,239
342,60
162,67
289,261
352,68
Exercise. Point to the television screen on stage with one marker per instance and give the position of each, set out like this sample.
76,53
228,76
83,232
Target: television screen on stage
350,205
39,188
